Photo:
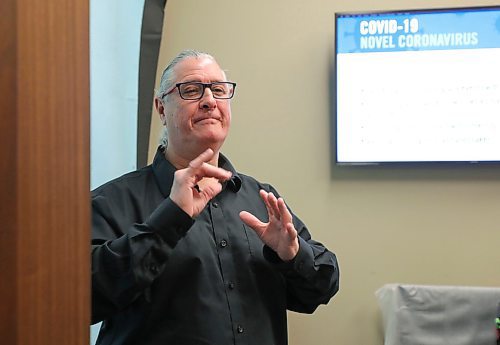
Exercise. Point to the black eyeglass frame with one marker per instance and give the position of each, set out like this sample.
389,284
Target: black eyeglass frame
205,85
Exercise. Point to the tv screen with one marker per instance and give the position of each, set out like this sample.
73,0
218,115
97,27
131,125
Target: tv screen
418,86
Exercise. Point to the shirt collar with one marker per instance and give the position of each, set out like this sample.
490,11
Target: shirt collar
164,171
234,183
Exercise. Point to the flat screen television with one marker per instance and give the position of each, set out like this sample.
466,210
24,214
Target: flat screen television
417,86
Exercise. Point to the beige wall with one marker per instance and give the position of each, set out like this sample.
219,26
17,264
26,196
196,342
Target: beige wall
408,225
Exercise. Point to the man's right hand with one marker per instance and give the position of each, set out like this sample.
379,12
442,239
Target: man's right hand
196,185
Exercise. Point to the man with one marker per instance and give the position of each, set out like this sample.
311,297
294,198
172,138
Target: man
187,251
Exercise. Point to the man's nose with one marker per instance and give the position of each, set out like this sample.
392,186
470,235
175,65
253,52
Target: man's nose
207,101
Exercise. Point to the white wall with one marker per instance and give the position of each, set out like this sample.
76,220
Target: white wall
115,28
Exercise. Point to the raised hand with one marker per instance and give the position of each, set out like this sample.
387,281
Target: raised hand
196,185
278,233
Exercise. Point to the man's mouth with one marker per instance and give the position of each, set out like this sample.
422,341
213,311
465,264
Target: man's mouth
206,119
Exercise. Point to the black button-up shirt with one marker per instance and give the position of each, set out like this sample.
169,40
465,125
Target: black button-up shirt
161,277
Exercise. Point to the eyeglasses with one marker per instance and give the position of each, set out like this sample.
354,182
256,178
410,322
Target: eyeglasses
195,90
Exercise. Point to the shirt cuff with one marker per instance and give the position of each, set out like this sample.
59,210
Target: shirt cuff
298,265
169,221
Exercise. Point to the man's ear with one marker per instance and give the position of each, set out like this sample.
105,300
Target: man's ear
160,108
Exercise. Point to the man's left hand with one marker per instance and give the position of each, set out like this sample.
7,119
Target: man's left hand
278,233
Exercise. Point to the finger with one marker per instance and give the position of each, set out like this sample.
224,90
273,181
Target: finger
204,157
274,204
208,170
286,216
265,197
293,248
210,190
253,222
292,233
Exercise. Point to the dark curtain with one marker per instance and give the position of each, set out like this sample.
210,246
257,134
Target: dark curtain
152,25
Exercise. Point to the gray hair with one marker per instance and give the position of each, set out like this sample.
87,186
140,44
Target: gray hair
168,77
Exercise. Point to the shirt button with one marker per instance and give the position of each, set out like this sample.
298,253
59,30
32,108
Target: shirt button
153,269
214,204
223,243
230,285
239,329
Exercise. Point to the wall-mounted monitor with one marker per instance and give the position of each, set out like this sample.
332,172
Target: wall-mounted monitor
418,86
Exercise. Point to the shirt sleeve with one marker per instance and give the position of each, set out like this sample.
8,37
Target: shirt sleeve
312,277
126,260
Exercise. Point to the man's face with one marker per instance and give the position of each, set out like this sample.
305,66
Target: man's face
195,125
